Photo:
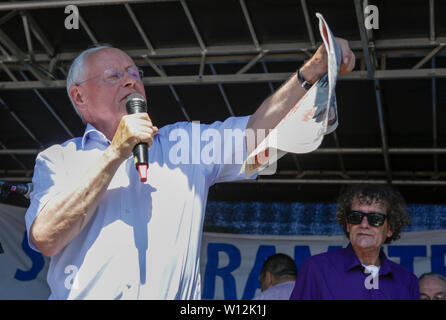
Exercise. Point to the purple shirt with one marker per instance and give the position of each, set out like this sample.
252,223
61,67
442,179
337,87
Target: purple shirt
281,291
339,275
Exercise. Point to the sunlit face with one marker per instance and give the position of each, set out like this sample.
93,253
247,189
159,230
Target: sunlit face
363,236
102,103
432,288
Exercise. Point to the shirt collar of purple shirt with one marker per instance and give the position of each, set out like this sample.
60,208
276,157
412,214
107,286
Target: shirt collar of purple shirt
352,261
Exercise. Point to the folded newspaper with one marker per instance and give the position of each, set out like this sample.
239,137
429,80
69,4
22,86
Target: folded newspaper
304,126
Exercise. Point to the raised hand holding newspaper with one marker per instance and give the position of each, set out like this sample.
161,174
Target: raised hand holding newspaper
303,128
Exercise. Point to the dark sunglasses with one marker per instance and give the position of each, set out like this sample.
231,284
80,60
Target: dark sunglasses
374,219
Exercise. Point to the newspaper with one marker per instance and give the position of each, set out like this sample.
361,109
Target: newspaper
304,126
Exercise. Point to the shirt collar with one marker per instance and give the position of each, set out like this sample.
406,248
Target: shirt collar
352,261
91,133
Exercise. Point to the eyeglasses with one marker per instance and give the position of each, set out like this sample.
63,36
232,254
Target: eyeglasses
114,75
374,219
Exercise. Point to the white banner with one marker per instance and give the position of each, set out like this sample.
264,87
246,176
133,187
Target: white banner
22,270
231,263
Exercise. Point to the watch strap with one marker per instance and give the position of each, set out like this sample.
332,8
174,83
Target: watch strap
304,83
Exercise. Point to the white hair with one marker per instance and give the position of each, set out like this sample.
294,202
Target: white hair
77,72
434,275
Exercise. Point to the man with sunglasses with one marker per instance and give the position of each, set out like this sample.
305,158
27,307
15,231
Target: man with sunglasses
370,215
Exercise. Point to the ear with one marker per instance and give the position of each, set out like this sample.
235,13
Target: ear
389,232
77,96
347,225
268,278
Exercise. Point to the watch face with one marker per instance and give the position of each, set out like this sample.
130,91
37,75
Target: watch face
304,84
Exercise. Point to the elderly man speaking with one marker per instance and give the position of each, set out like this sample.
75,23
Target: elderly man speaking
370,216
109,235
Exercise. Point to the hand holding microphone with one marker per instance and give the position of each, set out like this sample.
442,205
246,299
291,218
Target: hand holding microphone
140,127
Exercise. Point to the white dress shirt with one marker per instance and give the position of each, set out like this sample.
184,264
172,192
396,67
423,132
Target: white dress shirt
144,239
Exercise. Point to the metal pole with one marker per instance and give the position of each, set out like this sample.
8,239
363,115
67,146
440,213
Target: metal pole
139,28
50,109
363,173
193,25
363,151
20,122
8,16
14,49
340,159
223,93
252,62
370,63
46,4
17,160
290,51
429,56
250,25
29,41
177,98
432,20
202,64
88,30
364,41
40,36
308,23
343,181
8,72
434,118
231,78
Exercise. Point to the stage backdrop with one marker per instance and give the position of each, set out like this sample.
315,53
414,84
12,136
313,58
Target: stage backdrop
230,263
22,270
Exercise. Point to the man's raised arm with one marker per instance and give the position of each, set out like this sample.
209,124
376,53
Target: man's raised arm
276,106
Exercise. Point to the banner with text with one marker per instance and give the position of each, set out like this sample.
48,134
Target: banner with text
231,263
22,270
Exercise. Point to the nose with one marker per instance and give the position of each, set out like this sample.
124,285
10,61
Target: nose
364,222
129,80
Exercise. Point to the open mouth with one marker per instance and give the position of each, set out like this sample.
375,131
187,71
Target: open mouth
125,96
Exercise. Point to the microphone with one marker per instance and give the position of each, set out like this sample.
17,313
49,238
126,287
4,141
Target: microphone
136,103
23,189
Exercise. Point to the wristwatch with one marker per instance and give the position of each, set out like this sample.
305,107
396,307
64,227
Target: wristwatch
304,83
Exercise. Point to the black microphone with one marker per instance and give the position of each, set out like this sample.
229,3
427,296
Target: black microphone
136,103
23,189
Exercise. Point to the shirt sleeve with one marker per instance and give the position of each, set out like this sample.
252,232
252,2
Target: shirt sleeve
45,185
414,289
232,147
219,149
306,283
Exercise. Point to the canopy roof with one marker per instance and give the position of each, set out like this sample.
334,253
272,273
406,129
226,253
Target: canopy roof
208,60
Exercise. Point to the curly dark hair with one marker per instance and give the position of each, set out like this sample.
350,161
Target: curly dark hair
397,216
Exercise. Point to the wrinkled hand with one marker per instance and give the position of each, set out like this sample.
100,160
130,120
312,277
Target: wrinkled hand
317,66
132,129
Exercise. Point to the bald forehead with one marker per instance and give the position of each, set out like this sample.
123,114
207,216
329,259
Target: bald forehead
432,281
108,55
